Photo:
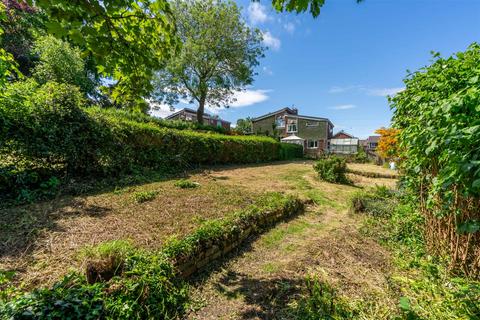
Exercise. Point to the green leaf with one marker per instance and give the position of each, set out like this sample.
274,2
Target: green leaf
404,304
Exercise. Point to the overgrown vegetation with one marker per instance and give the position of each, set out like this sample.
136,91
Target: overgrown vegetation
139,284
425,287
439,121
144,196
186,184
322,302
332,169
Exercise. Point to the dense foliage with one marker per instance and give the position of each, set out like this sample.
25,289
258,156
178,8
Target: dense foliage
148,285
332,169
424,288
244,126
218,55
439,117
46,132
128,39
388,143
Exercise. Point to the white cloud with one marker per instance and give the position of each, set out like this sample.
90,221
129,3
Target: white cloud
267,71
249,97
383,92
344,107
257,13
290,27
337,89
378,92
270,41
161,110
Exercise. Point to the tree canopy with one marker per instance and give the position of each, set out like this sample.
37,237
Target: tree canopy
217,57
313,6
128,39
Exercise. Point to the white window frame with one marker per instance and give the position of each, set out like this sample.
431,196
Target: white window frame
293,123
312,124
315,144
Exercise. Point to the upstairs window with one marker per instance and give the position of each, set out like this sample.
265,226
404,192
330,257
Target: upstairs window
292,126
312,124
280,122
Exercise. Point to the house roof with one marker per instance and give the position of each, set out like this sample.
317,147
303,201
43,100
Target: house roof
345,133
292,114
205,115
373,138
289,111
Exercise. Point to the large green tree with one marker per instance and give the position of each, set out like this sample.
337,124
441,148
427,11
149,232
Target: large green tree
217,57
62,63
128,39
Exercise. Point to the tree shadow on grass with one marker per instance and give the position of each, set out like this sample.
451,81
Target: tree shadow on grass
21,226
264,298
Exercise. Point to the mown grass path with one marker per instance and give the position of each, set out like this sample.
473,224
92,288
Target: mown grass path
266,279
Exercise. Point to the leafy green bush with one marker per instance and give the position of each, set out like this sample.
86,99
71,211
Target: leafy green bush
186,184
332,169
438,115
144,196
360,156
290,151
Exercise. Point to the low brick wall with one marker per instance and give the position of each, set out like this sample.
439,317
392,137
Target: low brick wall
209,251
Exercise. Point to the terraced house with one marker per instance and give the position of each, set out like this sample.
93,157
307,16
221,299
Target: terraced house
310,131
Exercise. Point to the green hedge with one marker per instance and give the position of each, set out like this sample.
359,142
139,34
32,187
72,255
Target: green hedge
290,151
148,286
46,131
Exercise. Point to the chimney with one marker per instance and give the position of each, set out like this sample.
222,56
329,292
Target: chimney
294,110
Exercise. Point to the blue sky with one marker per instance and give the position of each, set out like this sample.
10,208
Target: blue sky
342,64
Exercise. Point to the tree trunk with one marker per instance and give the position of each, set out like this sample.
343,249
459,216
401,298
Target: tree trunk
201,109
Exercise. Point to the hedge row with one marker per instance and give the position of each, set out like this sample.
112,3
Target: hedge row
144,285
46,131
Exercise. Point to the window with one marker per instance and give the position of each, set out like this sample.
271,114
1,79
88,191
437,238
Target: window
219,123
280,122
312,144
292,126
312,124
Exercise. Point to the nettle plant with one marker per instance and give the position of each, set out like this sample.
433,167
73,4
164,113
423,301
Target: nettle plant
439,117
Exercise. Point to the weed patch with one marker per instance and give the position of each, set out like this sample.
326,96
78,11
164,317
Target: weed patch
144,196
186,184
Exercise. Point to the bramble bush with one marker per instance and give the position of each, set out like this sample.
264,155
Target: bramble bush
45,131
438,115
332,169
422,284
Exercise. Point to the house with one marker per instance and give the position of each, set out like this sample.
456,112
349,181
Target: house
372,143
187,114
343,143
311,132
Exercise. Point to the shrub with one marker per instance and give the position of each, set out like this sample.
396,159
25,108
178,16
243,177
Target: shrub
144,196
290,151
360,156
186,184
439,133
332,169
